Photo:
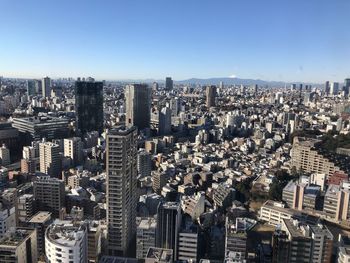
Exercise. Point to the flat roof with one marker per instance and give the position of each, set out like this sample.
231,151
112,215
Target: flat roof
40,217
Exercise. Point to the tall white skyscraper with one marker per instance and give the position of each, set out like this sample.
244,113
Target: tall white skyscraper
121,168
50,160
4,155
46,87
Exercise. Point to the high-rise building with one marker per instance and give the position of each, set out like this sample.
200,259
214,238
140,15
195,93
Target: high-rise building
327,88
210,96
4,155
121,169
158,181
334,88
188,244
49,194
50,159
46,87
165,121
73,149
31,90
66,241
94,241
7,218
89,106
337,202
19,245
144,164
145,236
138,106
168,226
25,206
4,178
169,84
40,221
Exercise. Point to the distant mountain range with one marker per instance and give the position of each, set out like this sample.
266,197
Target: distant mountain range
235,81
225,80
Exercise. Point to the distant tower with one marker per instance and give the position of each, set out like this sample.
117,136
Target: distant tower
168,226
46,87
31,90
169,84
121,169
138,106
347,86
327,88
165,121
211,94
89,106
334,88
50,159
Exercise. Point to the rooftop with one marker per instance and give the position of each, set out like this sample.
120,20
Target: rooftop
40,217
16,237
160,254
65,233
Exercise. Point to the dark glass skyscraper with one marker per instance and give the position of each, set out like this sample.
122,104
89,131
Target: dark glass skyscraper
89,106
169,84
168,226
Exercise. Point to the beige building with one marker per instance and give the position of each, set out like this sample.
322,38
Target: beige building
336,202
307,157
50,159
121,169
145,236
73,149
274,212
19,246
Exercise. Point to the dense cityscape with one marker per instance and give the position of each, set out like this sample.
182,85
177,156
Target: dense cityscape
108,171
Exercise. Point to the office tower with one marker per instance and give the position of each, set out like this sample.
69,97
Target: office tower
31,90
9,199
175,106
73,149
334,88
337,202
327,88
25,206
50,159
144,163
145,236
322,243
280,247
36,128
89,106
66,241
4,155
40,221
7,218
19,245
306,157
49,194
164,121
155,86
158,181
188,243
46,87
94,241
347,87
28,166
169,84
4,178
211,95
138,106
121,169
168,226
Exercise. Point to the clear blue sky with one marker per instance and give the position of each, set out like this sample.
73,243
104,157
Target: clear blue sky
287,40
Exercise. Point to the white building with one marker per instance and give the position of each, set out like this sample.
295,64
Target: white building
274,212
66,242
4,155
50,160
73,149
145,236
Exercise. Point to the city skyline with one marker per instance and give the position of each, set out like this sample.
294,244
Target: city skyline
289,42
